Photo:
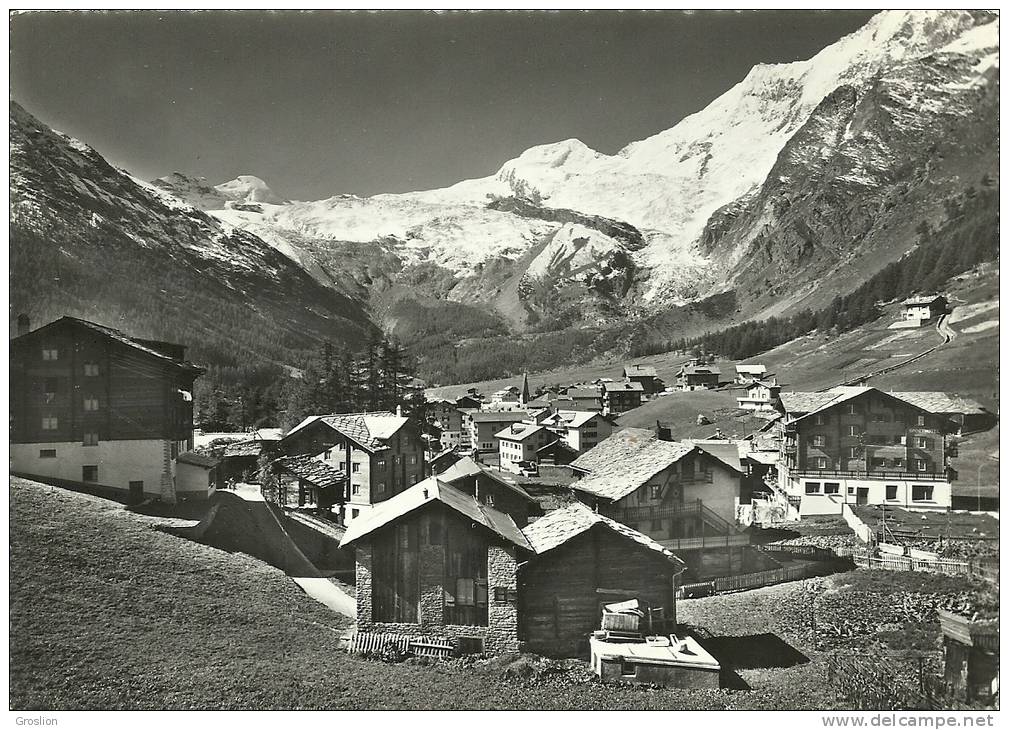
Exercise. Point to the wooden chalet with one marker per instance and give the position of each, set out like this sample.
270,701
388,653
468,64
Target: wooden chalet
92,406
381,453
861,445
434,561
646,375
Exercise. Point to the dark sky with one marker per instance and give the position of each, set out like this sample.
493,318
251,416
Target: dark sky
323,103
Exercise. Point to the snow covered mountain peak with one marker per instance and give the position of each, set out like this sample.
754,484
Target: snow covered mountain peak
249,189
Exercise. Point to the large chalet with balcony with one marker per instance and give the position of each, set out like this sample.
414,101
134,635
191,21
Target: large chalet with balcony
860,445
683,494
95,407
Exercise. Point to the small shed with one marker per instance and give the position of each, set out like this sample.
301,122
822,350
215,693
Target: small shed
583,562
972,656
318,483
196,476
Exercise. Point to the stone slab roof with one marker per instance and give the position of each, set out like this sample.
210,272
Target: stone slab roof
626,460
371,431
639,371
563,524
311,470
196,459
620,387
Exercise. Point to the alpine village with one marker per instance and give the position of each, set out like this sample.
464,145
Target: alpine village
313,474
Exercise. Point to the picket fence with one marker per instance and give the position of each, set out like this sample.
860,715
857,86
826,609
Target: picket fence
919,560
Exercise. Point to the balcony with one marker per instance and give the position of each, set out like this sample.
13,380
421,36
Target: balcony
875,475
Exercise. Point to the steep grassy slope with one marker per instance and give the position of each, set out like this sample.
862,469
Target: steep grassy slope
109,614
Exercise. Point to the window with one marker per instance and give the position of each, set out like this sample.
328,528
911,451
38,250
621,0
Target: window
355,468
852,409
90,439
47,453
655,491
921,420
413,480
812,487
831,487
91,403
50,354
413,459
853,430
819,419
898,463
819,440
50,423
878,463
851,490
921,464
49,389
328,455
398,459
343,466
380,488
89,474
355,489
891,492
821,462
922,442
354,513
91,369
921,492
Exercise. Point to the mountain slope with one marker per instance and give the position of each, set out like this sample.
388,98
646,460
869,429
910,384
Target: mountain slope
89,240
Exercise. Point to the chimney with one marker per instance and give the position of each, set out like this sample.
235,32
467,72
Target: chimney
24,324
399,410
425,492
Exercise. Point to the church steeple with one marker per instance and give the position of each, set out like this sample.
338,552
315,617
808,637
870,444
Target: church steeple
524,395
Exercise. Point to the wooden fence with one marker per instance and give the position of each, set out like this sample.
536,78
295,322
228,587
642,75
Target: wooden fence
811,552
772,577
984,569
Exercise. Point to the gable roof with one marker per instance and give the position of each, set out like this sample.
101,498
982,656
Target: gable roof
525,430
311,470
564,524
624,441
796,402
922,300
939,402
143,346
197,459
243,448
724,450
700,370
837,396
433,489
466,467
623,462
582,393
611,387
369,430
646,371
755,369
577,419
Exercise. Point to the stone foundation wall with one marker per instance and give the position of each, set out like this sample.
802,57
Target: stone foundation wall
499,636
